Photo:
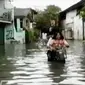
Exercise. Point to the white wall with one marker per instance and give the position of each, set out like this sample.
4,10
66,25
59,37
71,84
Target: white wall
18,24
78,28
75,22
8,4
70,16
31,25
9,29
19,36
9,33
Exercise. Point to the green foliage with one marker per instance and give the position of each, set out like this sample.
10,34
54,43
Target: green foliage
43,18
82,12
33,35
36,33
52,12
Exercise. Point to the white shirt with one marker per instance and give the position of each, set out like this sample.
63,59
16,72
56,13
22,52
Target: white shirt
44,36
49,41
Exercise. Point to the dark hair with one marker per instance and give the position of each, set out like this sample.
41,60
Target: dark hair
61,36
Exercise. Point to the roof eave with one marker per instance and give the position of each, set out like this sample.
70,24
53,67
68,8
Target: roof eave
73,7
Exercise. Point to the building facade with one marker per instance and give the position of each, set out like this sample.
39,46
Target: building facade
6,18
72,22
13,23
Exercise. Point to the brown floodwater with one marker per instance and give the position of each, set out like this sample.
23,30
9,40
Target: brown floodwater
28,65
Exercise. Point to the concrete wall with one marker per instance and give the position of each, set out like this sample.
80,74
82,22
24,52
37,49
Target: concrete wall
2,4
18,25
12,35
19,34
9,29
78,28
9,33
26,23
70,16
5,4
31,26
8,4
73,26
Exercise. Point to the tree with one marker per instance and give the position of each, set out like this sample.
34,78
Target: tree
44,17
82,12
52,12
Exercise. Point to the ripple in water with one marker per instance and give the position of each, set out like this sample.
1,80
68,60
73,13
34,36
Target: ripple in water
33,68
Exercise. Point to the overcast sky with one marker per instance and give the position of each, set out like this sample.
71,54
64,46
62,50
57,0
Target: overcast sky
41,4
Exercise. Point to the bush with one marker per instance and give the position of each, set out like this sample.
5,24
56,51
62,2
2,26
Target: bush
33,35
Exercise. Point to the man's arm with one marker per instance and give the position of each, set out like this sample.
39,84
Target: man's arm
66,43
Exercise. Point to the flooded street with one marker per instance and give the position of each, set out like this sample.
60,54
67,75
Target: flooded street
28,65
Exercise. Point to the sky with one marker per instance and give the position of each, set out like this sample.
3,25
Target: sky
41,4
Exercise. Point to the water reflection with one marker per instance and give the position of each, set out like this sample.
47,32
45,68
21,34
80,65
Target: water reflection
57,70
5,66
73,67
28,65
2,50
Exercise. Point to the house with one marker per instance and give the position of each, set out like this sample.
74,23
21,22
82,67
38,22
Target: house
23,21
13,21
72,23
20,15
5,20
